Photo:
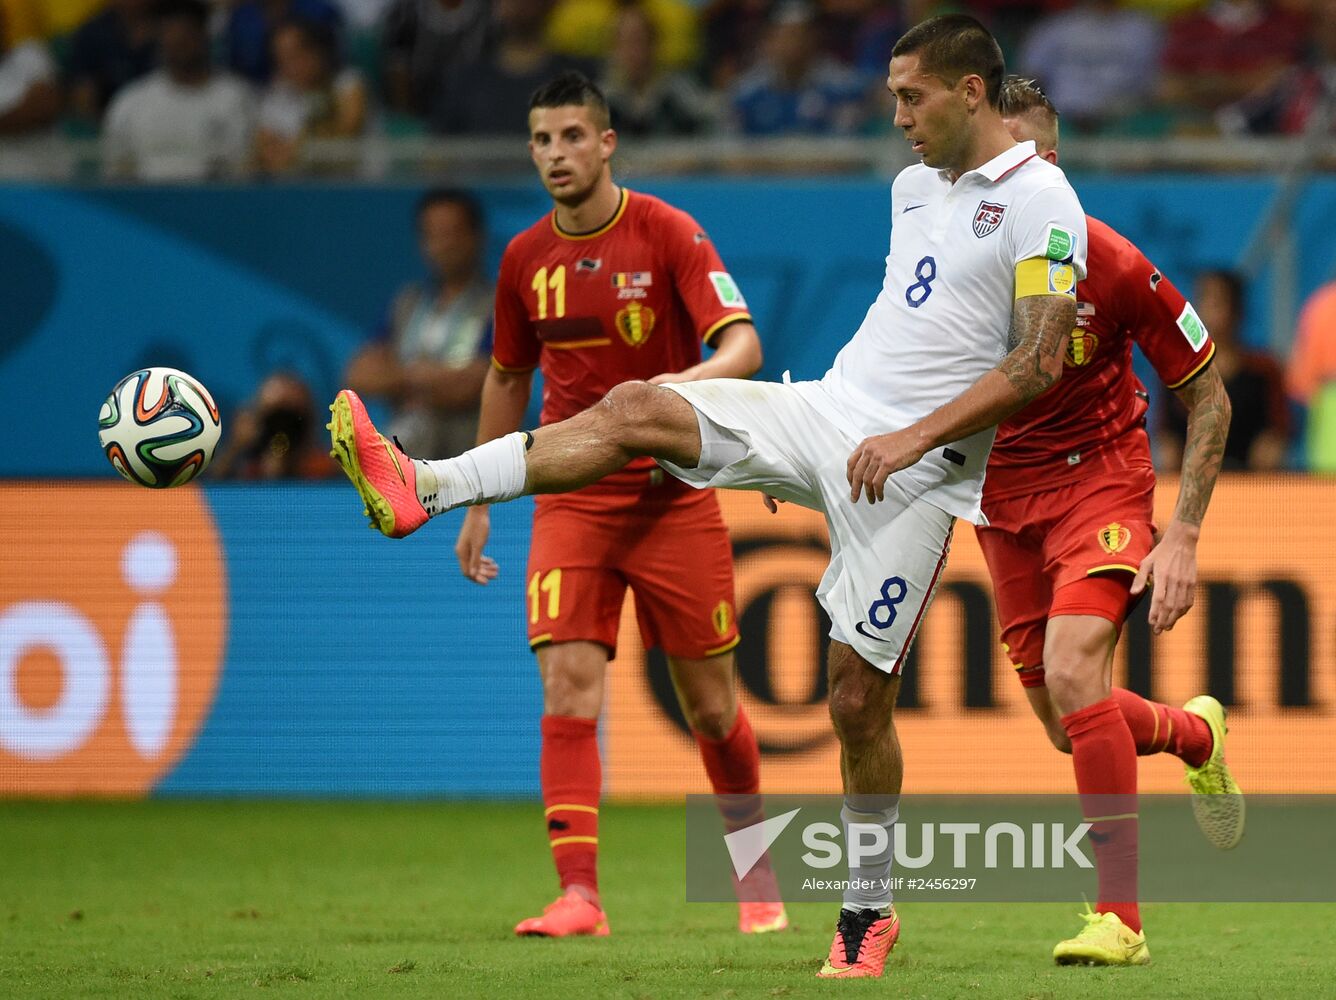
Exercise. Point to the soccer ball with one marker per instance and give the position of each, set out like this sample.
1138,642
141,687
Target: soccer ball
159,427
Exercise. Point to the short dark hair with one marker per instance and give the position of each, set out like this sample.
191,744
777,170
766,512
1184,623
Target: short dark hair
194,10
458,197
954,45
573,88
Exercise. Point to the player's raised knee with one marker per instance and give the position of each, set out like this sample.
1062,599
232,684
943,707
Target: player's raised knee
651,420
633,403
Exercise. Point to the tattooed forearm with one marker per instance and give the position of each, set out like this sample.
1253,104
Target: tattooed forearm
1208,427
1040,326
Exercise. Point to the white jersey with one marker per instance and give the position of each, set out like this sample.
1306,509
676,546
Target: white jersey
943,315
159,130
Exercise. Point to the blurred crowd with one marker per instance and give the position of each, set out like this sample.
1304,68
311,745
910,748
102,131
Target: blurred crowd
188,89
423,370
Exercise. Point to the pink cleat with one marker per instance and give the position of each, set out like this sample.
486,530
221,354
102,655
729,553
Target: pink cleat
569,916
862,942
761,918
379,469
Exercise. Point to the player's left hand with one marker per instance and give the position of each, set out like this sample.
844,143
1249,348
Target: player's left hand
876,458
1172,566
472,539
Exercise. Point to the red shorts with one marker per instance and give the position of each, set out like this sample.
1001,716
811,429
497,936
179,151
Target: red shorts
666,541
1042,547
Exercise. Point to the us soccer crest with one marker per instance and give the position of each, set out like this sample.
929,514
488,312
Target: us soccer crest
1114,537
987,218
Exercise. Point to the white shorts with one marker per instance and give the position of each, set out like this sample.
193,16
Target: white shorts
886,558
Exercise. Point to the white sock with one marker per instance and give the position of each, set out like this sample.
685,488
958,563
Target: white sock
870,881
490,473
885,911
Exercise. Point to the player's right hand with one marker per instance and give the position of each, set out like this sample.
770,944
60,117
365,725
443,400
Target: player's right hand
877,458
1172,566
468,547
771,503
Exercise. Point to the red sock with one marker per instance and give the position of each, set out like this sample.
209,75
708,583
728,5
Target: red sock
1158,728
734,768
1105,761
733,763
572,778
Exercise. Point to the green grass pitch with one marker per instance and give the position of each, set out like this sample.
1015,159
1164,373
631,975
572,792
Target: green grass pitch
357,899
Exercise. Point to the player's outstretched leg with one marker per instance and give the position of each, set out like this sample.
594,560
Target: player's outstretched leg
400,494
705,690
861,702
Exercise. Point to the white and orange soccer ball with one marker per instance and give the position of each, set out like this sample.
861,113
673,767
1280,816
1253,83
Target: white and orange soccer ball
159,427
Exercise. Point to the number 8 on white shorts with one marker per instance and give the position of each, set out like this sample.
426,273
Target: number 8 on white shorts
886,564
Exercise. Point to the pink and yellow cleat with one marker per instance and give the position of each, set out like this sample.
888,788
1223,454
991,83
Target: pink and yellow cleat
570,915
862,942
761,918
378,468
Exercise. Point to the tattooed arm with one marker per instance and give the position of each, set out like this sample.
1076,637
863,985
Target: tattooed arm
1204,451
1173,561
1040,328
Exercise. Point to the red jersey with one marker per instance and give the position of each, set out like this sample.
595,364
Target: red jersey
633,299
1095,415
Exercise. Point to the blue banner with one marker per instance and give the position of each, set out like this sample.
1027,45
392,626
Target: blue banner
232,283
358,663
259,640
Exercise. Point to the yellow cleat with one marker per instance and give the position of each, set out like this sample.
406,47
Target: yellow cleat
1217,800
1104,940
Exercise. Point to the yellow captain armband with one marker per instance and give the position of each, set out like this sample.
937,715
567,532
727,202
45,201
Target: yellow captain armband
1041,276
